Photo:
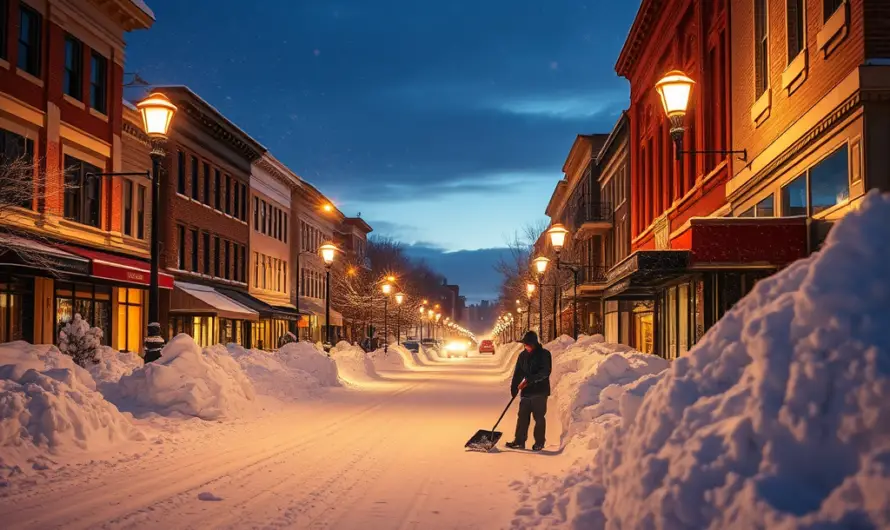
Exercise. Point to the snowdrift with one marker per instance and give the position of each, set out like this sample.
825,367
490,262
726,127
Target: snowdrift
286,374
778,418
186,380
111,365
397,358
49,405
353,364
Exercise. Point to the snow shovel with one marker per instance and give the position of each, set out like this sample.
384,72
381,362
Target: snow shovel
484,441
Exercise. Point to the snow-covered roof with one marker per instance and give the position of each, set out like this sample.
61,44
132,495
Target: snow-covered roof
144,8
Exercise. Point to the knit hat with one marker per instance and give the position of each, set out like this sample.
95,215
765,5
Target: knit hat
530,338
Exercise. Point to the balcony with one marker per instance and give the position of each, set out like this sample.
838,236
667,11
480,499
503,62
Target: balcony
588,218
591,279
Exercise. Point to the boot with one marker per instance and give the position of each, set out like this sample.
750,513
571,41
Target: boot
515,445
537,447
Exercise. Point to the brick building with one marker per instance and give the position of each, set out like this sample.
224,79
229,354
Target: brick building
79,242
205,232
690,262
811,82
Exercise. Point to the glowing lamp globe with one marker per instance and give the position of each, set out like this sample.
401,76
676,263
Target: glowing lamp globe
530,288
400,297
674,90
558,235
327,252
157,113
386,288
541,263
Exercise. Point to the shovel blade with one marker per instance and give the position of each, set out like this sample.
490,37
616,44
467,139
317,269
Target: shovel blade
483,440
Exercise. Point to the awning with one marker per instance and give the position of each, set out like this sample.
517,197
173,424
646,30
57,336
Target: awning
312,307
262,308
195,299
638,275
24,252
118,268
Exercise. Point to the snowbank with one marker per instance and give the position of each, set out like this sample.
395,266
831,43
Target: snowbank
353,364
188,381
271,376
49,405
778,418
396,358
308,358
111,365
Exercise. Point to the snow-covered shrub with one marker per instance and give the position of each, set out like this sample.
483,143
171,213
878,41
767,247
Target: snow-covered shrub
80,341
49,405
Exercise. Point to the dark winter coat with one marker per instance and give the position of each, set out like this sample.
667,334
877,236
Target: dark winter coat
533,366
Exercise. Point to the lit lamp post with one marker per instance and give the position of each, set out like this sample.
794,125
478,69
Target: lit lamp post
430,316
529,291
438,318
541,263
400,297
558,235
157,114
327,253
420,322
387,289
674,90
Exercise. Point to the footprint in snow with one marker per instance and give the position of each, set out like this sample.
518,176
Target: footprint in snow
207,496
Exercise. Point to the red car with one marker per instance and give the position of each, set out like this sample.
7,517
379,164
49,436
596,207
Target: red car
486,346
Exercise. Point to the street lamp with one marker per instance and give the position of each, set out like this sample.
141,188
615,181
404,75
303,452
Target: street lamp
157,115
541,263
438,317
529,291
327,252
675,90
387,289
400,297
558,235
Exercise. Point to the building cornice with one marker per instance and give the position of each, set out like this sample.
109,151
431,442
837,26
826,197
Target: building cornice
266,165
635,44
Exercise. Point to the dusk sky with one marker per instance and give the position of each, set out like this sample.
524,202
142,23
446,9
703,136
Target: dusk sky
445,124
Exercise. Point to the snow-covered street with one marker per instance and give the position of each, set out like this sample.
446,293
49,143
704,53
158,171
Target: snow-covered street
387,455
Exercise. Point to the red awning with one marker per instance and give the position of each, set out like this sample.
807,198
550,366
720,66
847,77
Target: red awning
118,268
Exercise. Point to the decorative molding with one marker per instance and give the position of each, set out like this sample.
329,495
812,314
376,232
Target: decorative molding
647,16
816,132
270,168
218,131
135,132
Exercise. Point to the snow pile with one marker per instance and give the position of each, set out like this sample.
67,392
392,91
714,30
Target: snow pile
559,345
281,374
353,364
110,365
188,381
778,418
396,358
49,405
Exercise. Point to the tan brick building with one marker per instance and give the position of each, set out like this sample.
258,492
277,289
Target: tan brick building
811,104
61,111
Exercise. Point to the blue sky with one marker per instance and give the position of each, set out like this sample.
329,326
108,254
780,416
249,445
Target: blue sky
445,124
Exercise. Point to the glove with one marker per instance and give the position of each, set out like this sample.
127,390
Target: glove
523,384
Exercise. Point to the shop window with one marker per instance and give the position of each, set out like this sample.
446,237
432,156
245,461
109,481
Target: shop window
180,173
30,39
129,319
17,161
229,331
195,188
181,242
761,48
765,208
794,17
72,83
99,83
683,310
830,181
794,197
92,302
16,308
83,192
670,323
200,328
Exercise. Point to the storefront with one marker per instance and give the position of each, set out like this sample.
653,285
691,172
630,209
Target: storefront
274,321
675,296
209,316
312,324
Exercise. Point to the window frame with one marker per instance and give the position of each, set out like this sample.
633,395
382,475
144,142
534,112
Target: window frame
180,233
4,29
205,240
34,46
83,209
761,49
98,82
141,194
195,187
180,172
193,235
828,11
806,174
800,32
72,80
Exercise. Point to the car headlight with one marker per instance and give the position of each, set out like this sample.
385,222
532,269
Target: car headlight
456,346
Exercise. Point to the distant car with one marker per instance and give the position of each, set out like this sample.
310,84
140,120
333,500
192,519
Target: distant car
412,346
486,346
456,349
429,344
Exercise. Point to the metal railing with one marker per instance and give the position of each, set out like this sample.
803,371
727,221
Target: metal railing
593,274
588,212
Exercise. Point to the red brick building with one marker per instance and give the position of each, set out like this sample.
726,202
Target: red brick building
205,196
61,111
690,264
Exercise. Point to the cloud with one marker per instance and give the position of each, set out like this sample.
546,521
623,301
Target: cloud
472,270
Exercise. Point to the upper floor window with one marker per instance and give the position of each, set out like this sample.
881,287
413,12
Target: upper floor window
73,82
761,48
206,183
244,202
83,192
180,234
829,7
217,190
228,195
256,214
180,173
17,171
30,37
794,15
3,28
194,234
99,83
195,188
820,188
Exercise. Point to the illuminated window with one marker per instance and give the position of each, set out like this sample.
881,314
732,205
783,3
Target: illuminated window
129,319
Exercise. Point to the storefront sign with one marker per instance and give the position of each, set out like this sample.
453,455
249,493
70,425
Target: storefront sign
625,268
110,271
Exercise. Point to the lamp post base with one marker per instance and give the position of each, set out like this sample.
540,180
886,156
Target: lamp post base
154,343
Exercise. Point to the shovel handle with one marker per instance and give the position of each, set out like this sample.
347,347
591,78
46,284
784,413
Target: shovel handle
502,414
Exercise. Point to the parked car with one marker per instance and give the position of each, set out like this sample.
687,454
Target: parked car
412,346
486,346
430,344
